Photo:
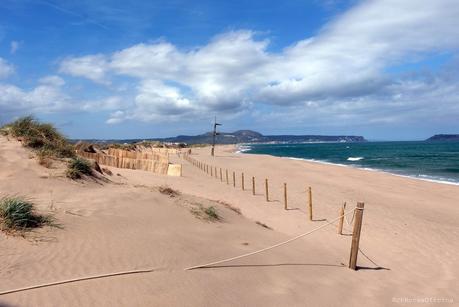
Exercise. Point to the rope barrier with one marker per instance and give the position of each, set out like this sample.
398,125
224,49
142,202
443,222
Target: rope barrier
268,248
76,280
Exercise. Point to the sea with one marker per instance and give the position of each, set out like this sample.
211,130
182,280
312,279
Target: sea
432,161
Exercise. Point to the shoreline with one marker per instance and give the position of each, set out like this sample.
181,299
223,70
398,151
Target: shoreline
377,170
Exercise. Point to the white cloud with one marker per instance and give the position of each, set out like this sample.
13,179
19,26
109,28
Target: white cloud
43,98
52,80
109,103
116,117
6,69
340,73
92,67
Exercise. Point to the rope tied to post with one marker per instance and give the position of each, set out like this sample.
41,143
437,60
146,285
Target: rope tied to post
269,247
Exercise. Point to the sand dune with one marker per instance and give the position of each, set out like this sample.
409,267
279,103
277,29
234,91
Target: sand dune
410,228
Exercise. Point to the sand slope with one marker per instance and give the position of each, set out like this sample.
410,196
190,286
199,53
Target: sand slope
410,227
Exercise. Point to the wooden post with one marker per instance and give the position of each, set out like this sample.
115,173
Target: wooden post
356,236
234,180
285,196
266,190
253,185
226,173
341,219
242,181
221,177
211,171
216,176
310,203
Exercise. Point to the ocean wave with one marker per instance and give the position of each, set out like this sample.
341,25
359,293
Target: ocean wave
355,158
421,177
243,148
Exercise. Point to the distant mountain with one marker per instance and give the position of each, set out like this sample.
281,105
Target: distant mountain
249,136
444,137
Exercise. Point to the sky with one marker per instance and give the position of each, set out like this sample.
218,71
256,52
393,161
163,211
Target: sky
384,69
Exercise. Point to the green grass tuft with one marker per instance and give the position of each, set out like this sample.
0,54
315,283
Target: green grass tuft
211,213
206,213
17,213
40,137
78,167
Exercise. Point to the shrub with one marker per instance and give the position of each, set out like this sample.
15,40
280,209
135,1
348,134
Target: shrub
40,136
78,167
17,213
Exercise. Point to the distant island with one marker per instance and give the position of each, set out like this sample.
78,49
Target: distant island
444,137
249,136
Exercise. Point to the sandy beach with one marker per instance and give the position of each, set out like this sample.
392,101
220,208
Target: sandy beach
409,236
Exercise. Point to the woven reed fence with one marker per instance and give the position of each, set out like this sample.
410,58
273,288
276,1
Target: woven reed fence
121,161
163,158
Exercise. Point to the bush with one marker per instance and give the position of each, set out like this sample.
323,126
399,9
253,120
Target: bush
78,167
40,136
17,213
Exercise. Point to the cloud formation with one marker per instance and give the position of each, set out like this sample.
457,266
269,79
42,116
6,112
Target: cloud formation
92,67
353,69
6,69
44,98
342,68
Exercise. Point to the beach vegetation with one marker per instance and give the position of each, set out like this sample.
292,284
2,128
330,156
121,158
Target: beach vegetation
17,213
168,191
206,213
41,137
211,213
78,167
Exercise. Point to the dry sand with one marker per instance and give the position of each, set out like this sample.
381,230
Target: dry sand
410,230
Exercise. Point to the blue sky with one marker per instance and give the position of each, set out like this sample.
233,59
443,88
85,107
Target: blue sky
384,69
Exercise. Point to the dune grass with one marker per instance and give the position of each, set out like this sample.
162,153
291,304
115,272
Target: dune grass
48,144
16,213
78,167
206,213
42,137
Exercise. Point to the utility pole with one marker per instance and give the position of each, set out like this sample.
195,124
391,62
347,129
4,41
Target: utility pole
214,135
